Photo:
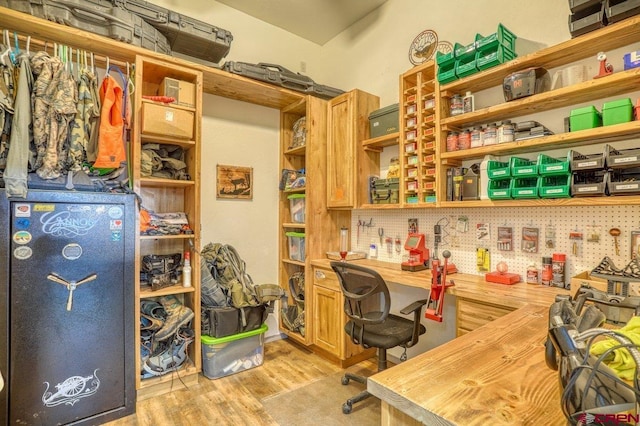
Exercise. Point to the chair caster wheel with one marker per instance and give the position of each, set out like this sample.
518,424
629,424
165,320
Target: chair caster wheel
403,357
345,380
346,408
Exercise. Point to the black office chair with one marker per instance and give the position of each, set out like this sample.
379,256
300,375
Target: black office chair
366,303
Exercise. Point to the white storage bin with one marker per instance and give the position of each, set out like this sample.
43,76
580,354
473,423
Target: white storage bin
223,356
296,207
296,246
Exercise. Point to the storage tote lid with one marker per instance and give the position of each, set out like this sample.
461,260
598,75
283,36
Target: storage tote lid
294,234
294,196
385,110
208,340
584,110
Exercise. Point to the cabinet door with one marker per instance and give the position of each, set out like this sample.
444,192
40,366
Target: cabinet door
341,160
471,315
327,321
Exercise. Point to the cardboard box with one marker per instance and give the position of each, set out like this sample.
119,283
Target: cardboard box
167,121
584,279
183,91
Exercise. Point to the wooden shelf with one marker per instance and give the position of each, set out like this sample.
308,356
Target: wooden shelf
556,202
165,183
298,151
605,39
380,206
146,138
168,237
171,105
215,81
293,262
174,289
376,144
563,140
293,225
612,85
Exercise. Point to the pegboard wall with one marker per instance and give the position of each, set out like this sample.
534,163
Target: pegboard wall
561,225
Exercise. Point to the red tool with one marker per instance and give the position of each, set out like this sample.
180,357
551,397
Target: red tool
438,287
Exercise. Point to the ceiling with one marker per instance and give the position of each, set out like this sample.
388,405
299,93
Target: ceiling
315,20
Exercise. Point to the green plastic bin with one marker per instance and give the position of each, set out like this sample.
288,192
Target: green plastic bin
499,189
548,166
502,36
498,169
522,167
492,57
524,187
616,112
585,118
555,186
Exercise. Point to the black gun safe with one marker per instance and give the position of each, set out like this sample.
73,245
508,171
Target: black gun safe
67,307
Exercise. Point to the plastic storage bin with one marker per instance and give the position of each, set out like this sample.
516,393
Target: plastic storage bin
502,37
624,182
490,58
589,183
498,169
622,159
548,166
585,118
525,187
616,112
555,186
223,356
522,167
499,189
297,207
582,162
296,246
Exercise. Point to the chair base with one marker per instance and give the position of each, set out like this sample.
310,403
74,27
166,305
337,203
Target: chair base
347,407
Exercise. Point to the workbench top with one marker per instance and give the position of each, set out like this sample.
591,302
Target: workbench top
494,375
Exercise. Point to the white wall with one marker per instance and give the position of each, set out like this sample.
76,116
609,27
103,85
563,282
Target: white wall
241,134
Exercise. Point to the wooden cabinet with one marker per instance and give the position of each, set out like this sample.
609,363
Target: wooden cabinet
348,168
329,320
419,114
168,195
471,314
592,91
319,226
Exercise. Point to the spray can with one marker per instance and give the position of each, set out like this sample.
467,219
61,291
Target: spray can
558,263
547,271
186,270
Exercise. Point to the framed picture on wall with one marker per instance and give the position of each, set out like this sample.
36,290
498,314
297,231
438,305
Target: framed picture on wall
234,182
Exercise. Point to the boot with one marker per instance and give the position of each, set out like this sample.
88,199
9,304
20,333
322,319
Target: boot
171,358
178,315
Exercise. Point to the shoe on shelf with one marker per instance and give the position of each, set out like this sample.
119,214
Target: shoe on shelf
172,358
178,316
150,323
153,309
146,346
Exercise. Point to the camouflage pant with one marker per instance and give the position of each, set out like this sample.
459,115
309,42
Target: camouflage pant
15,174
84,128
55,96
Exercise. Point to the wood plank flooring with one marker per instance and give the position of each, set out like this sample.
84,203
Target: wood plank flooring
237,399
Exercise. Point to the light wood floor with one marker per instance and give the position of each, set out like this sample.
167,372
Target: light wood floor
236,399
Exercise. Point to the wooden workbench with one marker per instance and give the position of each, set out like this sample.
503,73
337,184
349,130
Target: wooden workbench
493,375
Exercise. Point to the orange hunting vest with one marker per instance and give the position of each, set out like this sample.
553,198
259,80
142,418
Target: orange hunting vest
111,150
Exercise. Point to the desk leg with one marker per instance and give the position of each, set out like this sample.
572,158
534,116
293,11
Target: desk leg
391,416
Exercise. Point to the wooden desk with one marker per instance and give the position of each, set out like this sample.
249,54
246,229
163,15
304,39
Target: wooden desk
493,375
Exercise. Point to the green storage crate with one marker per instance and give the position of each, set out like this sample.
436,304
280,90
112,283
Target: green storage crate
468,51
585,118
524,187
498,169
466,67
502,36
548,166
447,73
499,189
447,58
490,58
413,200
555,186
616,112
522,167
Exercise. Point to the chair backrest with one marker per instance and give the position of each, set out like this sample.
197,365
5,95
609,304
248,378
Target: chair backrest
366,296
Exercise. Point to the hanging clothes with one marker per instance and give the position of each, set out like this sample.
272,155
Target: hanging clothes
54,107
7,96
111,150
15,174
86,122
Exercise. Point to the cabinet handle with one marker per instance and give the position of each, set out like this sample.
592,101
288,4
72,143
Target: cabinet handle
320,275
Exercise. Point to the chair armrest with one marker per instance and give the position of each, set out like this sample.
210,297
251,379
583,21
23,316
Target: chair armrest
416,308
412,307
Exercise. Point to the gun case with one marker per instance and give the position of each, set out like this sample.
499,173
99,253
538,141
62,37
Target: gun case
185,35
96,16
279,75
